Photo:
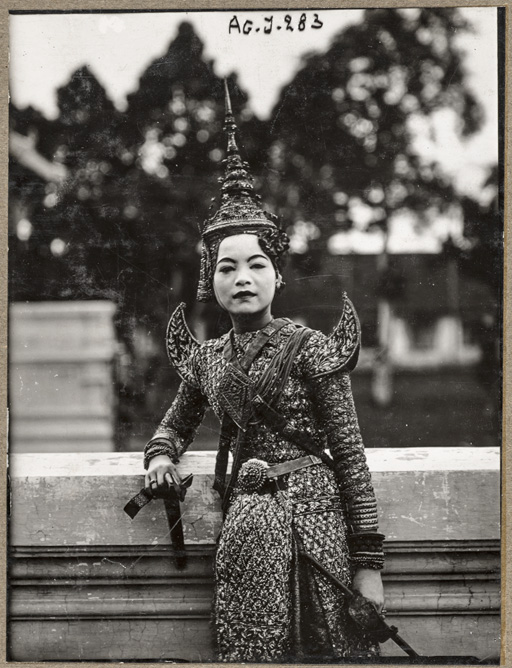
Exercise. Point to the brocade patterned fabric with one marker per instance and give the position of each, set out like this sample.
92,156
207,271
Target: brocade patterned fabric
254,609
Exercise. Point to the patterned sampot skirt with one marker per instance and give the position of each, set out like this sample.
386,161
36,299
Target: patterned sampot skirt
270,605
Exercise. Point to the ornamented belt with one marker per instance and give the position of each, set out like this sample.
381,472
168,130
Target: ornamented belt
257,475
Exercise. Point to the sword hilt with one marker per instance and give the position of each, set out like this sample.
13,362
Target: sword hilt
363,612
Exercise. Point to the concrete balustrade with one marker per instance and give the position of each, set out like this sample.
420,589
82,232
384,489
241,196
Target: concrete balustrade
89,583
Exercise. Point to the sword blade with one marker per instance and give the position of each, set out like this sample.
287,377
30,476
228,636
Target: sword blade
404,645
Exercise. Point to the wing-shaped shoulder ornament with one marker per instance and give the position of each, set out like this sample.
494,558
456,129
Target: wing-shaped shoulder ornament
340,350
181,344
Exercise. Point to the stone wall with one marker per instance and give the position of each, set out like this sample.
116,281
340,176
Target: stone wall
86,582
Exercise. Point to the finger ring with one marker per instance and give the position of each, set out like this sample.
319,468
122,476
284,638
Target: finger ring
153,482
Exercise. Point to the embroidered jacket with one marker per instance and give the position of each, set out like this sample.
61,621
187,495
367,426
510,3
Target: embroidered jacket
316,399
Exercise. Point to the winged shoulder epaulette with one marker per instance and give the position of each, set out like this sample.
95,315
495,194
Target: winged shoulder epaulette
340,350
181,344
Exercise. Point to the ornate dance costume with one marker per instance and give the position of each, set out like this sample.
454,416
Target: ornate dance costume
283,396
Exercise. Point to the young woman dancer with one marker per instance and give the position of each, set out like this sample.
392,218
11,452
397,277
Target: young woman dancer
282,394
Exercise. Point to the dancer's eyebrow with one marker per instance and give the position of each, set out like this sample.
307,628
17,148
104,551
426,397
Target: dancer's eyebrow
253,257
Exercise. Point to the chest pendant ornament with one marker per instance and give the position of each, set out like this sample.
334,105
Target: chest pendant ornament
235,394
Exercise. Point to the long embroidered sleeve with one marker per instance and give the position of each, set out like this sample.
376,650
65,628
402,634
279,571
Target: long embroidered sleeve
179,426
335,410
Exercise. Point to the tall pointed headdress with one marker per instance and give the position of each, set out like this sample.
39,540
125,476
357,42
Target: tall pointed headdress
239,211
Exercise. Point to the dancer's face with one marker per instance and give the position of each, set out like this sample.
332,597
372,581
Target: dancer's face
244,281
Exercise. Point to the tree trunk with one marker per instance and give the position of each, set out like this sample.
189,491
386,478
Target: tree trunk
382,380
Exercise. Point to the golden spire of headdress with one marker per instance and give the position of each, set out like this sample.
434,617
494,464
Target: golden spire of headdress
239,205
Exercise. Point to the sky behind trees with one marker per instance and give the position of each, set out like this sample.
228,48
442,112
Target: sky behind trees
46,49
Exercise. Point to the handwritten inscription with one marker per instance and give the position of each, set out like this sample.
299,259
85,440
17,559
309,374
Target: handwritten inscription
272,23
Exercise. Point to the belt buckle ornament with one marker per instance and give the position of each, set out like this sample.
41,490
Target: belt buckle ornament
252,476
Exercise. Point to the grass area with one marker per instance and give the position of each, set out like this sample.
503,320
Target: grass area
429,408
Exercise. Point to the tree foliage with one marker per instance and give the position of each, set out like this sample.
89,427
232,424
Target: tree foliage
125,227
126,223
342,131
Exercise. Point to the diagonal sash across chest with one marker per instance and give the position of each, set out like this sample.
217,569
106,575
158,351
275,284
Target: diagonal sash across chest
236,388
236,392
242,398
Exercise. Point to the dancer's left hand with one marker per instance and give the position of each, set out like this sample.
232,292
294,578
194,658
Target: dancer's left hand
368,582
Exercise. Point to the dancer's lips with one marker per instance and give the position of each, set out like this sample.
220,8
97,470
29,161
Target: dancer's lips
243,293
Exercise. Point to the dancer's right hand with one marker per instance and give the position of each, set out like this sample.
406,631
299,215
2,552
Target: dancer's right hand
161,475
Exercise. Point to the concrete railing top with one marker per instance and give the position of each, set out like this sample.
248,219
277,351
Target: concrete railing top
438,494
382,460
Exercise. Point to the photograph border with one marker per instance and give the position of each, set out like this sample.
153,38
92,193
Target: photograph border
58,6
